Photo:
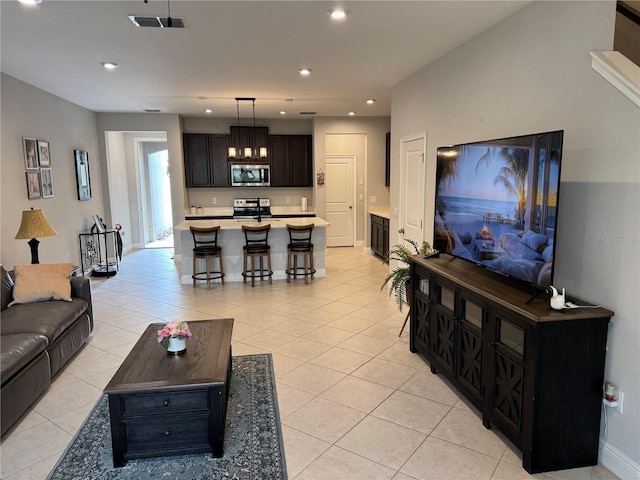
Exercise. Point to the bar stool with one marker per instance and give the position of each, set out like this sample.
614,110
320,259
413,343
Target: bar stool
256,248
205,241
300,244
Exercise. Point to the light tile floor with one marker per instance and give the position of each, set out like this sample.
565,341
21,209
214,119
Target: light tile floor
354,402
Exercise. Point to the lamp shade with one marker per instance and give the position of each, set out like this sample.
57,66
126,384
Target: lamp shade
34,225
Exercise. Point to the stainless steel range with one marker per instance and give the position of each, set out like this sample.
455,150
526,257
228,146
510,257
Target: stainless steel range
245,208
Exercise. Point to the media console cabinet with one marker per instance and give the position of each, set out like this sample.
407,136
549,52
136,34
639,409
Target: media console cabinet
534,373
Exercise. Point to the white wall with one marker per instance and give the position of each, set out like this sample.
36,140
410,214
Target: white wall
140,124
364,137
531,73
30,112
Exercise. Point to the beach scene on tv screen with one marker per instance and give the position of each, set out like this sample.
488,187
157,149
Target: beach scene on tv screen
496,204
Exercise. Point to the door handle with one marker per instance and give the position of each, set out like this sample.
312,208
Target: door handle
401,231
350,207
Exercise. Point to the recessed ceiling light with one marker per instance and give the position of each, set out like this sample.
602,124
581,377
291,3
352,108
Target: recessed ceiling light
304,71
371,101
109,65
208,110
338,13
30,2
282,112
288,99
201,97
352,113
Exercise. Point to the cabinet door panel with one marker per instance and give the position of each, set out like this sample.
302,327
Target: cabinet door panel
421,335
196,160
470,361
279,157
508,388
218,151
300,164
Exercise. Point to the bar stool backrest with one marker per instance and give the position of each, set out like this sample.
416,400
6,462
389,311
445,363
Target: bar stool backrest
205,239
256,236
300,235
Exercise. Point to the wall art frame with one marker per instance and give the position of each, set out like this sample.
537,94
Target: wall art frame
33,185
46,182
83,178
30,149
44,157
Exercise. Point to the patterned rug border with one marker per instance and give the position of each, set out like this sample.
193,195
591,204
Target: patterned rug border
242,434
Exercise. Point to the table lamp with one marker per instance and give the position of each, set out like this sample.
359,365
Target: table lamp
34,225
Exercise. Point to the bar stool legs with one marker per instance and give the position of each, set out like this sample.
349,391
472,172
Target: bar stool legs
205,241
300,244
256,248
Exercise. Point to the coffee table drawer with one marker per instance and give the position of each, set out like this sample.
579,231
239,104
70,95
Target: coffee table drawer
159,402
170,434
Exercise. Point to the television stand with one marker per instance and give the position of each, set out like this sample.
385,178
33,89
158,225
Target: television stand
534,373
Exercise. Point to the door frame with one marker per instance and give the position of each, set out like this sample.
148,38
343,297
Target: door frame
354,215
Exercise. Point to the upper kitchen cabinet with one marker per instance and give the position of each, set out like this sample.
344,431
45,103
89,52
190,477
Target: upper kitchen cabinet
205,160
291,160
248,137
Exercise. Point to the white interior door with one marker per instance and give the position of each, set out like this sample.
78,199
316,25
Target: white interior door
412,188
340,201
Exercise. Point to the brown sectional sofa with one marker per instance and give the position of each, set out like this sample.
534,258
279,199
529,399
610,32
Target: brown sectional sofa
37,340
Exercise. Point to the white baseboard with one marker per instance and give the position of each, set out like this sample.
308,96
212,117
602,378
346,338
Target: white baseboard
618,463
368,251
359,243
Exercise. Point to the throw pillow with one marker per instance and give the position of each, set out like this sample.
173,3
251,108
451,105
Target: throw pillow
534,241
39,282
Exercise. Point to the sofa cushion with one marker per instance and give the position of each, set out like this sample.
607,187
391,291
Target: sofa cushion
39,282
19,350
7,287
45,318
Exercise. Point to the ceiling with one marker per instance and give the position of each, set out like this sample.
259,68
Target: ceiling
234,49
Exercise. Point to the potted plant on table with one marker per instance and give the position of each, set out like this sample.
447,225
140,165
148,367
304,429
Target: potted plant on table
398,278
173,337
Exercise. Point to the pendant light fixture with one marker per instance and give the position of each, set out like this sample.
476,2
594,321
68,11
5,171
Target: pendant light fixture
252,151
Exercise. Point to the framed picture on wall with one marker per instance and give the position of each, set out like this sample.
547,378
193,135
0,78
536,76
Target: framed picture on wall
33,185
83,178
43,153
46,183
30,148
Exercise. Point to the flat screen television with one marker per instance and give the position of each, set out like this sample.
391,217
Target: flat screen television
497,204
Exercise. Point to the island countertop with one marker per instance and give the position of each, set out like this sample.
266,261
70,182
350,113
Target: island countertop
232,224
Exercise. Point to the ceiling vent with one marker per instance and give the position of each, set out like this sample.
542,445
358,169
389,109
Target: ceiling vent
152,110
307,113
158,22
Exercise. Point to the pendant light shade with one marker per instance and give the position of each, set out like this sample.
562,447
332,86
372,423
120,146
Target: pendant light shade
248,152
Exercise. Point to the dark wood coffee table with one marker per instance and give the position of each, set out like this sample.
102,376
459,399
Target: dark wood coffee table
164,404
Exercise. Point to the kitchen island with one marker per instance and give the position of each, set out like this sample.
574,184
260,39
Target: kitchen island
231,239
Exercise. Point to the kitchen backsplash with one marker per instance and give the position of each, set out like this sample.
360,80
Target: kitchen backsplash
202,197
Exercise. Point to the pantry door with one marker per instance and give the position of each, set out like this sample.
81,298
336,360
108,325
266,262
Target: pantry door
412,189
340,200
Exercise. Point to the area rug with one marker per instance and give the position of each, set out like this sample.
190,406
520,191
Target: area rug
252,448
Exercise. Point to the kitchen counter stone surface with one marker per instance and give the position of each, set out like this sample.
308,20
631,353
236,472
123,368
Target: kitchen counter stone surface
231,224
382,211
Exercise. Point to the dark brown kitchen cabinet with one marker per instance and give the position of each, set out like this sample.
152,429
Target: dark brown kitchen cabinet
205,160
291,160
534,373
249,137
379,236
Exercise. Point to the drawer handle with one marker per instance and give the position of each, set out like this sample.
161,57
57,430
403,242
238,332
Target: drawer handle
167,433
166,403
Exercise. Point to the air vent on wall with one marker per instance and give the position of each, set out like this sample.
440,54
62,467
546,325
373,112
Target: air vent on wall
158,22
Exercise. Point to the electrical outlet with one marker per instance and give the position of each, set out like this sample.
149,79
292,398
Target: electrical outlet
288,200
214,200
361,197
620,399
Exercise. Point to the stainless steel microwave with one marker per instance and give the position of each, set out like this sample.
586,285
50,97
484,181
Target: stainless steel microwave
250,175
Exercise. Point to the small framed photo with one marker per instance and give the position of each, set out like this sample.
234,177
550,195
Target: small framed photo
30,148
33,185
43,153
46,182
83,179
